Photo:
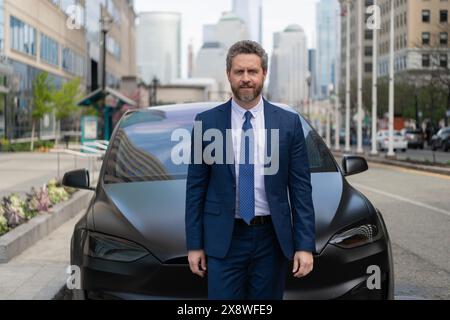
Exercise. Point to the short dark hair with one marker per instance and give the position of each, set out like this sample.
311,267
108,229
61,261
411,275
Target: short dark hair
247,47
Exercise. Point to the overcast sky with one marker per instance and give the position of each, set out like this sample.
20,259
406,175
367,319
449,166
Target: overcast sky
277,15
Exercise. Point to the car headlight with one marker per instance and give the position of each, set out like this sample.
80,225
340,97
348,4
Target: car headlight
356,237
114,249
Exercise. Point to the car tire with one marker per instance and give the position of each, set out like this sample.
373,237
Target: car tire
403,150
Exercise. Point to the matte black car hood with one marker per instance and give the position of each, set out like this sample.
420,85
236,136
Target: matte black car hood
156,211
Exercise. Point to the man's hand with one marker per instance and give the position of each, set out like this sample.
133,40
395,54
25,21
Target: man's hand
197,259
303,264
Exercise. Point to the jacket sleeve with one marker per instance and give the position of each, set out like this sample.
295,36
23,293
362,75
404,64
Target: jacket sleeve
196,188
300,193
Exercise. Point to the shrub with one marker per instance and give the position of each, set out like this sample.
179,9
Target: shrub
14,210
25,146
38,200
56,193
3,222
4,145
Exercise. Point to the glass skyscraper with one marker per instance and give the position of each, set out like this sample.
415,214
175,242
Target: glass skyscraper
159,46
250,11
328,12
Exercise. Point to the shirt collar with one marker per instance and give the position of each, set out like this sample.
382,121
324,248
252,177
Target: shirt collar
256,110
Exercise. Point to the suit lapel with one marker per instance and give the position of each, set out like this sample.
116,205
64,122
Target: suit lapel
224,126
271,121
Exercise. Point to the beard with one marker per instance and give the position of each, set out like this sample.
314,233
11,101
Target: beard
248,95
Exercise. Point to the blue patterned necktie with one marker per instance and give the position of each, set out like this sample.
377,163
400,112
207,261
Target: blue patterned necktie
247,172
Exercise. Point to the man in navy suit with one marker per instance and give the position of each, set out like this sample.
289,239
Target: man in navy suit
244,222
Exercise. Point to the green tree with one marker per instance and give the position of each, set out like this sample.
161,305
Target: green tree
65,102
42,97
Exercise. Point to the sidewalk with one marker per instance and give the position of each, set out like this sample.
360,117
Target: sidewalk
21,171
39,273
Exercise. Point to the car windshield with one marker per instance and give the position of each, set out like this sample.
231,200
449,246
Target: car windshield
142,146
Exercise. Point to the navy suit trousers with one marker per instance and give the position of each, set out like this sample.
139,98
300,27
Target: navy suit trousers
254,268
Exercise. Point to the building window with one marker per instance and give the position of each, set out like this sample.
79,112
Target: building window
443,61
443,38
425,60
113,47
443,16
49,50
72,62
426,16
425,38
23,37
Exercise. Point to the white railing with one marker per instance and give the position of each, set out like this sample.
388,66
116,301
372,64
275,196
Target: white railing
93,151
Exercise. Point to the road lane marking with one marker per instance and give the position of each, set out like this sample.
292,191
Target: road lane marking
397,197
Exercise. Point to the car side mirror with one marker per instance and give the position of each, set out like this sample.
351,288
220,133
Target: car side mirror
354,165
78,179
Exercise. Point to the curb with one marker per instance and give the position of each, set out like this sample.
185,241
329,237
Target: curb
21,238
398,163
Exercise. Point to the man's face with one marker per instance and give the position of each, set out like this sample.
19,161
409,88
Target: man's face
246,77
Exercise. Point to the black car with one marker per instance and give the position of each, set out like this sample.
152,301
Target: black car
130,244
441,140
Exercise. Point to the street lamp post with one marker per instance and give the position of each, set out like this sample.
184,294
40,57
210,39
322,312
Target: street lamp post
375,82
308,82
328,113
105,23
155,84
391,152
360,80
347,4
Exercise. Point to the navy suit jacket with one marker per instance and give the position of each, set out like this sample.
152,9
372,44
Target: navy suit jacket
211,188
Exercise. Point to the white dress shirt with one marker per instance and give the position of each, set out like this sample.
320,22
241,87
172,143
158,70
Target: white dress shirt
258,124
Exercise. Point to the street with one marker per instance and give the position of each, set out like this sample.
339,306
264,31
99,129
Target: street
416,209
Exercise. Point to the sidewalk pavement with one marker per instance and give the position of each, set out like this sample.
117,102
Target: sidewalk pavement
21,171
39,273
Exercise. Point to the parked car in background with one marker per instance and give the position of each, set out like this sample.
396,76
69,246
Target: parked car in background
400,142
415,138
441,140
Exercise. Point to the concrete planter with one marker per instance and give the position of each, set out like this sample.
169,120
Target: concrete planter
24,236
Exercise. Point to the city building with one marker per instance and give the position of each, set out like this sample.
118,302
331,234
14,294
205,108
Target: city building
421,36
312,68
211,63
159,46
209,33
61,38
289,68
367,42
250,11
211,58
230,29
327,30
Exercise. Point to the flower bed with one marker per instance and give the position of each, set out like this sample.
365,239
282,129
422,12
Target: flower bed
15,211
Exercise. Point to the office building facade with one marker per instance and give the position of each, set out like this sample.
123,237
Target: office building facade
60,37
159,46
